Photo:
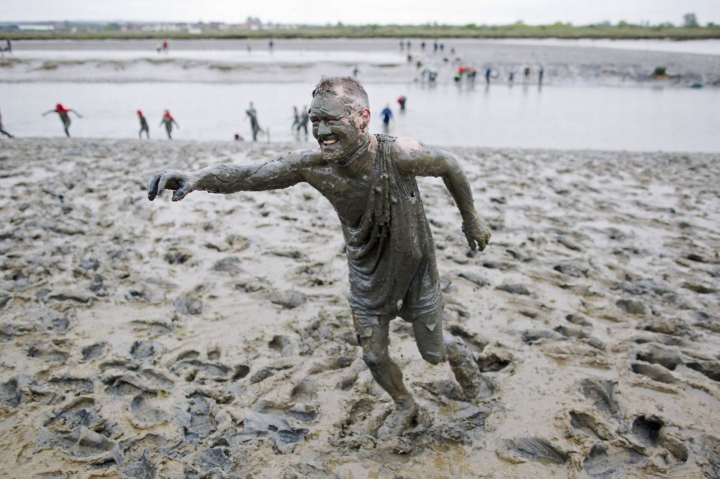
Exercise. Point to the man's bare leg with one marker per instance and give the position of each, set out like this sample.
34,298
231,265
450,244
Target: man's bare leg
463,366
389,377
436,348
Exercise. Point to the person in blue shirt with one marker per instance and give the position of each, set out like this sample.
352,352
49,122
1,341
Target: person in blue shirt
386,115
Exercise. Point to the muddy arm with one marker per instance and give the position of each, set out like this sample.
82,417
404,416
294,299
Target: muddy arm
417,159
228,178
76,113
48,112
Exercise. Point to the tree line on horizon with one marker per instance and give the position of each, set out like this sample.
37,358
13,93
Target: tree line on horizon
690,29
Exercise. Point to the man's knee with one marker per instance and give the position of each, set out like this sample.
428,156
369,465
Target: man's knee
433,357
375,359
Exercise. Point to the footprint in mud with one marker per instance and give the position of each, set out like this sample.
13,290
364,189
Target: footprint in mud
125,384
261,376
578,320
589,424
647,430
281,344
444,388
709,369
68,383
472,340
78,430
23,389
53,321
305,390
533,449
331,364
287,299
667,358
532,336
602,393
139,457
494,361
654,372
259,425
229,264
154,328
146,349
11,392
576,333
189,366
350,376
610,462
202,422
359,412
150,409
93,351
47,351
631,306
298,411
212,462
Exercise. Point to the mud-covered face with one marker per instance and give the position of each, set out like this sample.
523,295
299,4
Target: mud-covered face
338,125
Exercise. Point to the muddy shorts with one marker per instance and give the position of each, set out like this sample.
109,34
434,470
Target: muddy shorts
427,328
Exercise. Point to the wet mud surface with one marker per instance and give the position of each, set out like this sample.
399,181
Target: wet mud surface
379,61
212,338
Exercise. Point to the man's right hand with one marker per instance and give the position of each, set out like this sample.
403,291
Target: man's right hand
182,183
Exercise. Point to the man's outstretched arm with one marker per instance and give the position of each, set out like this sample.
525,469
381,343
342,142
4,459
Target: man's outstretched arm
418,159
229,178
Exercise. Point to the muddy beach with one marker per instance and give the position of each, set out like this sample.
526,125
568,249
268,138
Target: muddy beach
212,338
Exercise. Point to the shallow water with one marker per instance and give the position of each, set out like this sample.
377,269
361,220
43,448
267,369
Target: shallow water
568,117
700,47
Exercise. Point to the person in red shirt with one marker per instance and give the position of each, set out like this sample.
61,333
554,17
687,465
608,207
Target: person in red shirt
143,125
168,121
64,117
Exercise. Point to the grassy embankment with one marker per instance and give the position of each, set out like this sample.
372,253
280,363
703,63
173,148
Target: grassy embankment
557,30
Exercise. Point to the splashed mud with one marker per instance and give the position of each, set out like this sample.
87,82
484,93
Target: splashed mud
212,338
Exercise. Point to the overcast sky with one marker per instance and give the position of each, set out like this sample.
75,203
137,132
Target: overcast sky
459,12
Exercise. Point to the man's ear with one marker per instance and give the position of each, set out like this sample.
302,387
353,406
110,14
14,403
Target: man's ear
365,115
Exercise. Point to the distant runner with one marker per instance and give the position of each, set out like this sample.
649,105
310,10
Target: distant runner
168,121
386,115
2,130
143,125
401,101
526,73
63,113
304,120
254,125
296,119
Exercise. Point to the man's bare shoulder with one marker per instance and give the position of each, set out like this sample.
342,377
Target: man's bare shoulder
407,147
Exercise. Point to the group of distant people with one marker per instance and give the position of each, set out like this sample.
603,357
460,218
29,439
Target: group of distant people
300,120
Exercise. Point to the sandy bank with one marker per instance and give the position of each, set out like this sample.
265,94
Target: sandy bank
211,338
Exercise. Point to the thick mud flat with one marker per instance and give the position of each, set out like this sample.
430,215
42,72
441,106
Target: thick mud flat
621,63
211,338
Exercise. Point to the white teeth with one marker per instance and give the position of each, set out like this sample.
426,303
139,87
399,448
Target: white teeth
329,142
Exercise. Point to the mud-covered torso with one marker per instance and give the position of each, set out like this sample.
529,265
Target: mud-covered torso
389,245
347,195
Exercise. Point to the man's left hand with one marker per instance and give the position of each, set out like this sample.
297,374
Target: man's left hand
477,233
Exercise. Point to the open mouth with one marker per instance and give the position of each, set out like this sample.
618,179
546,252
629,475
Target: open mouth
329,141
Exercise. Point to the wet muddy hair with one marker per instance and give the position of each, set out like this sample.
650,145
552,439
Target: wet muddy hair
350,86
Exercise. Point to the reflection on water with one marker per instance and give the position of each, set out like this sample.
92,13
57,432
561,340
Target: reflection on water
498,116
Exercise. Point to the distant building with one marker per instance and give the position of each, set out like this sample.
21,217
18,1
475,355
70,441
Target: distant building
36,28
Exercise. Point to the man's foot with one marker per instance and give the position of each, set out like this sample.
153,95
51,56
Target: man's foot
398,420
463,366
